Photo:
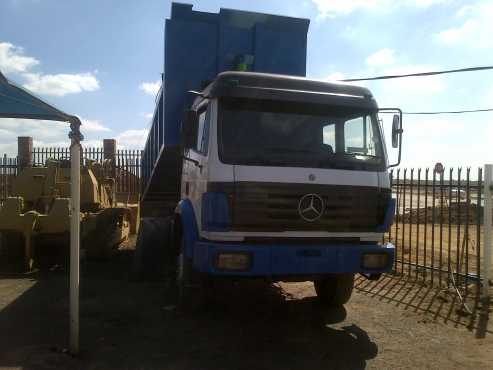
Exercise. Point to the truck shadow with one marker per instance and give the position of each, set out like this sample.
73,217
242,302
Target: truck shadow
257,326
133,325
434,303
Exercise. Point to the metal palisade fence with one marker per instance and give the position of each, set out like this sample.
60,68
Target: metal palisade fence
438,228
8,171
128,168
128,164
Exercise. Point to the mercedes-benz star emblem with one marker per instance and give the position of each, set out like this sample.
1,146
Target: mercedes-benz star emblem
311,207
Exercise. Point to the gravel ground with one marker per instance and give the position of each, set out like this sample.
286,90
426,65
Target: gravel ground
389,324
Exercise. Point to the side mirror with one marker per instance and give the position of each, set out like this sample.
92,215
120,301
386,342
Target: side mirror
189,129
396,130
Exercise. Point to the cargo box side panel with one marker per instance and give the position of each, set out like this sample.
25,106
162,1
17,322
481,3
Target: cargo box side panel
191,58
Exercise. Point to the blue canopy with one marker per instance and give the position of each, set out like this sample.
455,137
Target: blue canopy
16,102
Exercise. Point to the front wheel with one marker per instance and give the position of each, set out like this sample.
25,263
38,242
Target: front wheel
191,286
335,290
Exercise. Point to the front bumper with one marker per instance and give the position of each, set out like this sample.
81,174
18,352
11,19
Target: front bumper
291,260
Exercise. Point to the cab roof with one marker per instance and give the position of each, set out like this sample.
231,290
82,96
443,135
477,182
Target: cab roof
255,85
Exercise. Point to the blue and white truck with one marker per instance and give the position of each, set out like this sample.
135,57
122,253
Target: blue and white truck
252,170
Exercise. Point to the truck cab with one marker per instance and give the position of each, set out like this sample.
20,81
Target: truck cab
284,178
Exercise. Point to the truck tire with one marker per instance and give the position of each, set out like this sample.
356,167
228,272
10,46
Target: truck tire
335,290
191,286
150,258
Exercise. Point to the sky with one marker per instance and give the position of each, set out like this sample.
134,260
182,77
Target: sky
102,60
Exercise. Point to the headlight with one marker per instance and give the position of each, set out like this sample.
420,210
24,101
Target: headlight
216,211
374,261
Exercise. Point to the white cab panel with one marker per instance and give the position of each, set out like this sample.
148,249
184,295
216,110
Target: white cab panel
299,175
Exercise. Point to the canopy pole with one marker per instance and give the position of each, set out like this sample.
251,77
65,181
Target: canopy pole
75,137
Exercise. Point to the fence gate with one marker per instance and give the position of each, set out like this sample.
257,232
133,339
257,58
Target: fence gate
438,229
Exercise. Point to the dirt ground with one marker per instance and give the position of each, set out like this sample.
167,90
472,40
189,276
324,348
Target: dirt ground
125,324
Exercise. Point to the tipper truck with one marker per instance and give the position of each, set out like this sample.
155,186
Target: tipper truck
252,170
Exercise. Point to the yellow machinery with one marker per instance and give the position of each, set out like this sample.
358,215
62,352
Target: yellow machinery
37,217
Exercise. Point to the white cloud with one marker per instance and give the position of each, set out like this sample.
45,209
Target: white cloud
475,31
383,57
454,140
13,60
335,77
55,134
338,76
425,3
386,62
334,8
465,10
425,85
132,139
403,91
46,133
148,115
431,139
49,132
61,84
93,126
151,88
487,98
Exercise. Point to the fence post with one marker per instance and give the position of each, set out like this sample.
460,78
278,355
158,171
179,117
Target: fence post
488,209
25,151
109,149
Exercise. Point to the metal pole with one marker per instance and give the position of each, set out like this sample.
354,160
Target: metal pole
75,138
488,206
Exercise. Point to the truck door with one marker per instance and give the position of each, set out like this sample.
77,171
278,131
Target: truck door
195,166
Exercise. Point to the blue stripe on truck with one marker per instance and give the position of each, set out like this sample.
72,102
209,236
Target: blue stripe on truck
189,225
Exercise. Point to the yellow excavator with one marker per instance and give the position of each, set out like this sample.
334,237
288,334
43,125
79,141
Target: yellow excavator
35,220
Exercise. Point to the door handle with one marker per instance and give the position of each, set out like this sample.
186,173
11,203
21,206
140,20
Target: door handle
194,161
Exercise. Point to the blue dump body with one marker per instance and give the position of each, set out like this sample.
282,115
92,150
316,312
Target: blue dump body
199,45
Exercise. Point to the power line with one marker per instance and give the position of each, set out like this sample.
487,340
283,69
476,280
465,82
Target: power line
451,112
420,74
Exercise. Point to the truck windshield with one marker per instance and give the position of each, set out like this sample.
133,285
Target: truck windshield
278,133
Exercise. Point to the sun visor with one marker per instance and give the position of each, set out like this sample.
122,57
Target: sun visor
301,96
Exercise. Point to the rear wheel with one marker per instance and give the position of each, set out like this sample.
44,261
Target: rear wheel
153,248
335,290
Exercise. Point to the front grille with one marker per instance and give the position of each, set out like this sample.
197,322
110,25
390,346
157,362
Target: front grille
274,207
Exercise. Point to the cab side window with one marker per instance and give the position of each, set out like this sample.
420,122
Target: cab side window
202,131
359,137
